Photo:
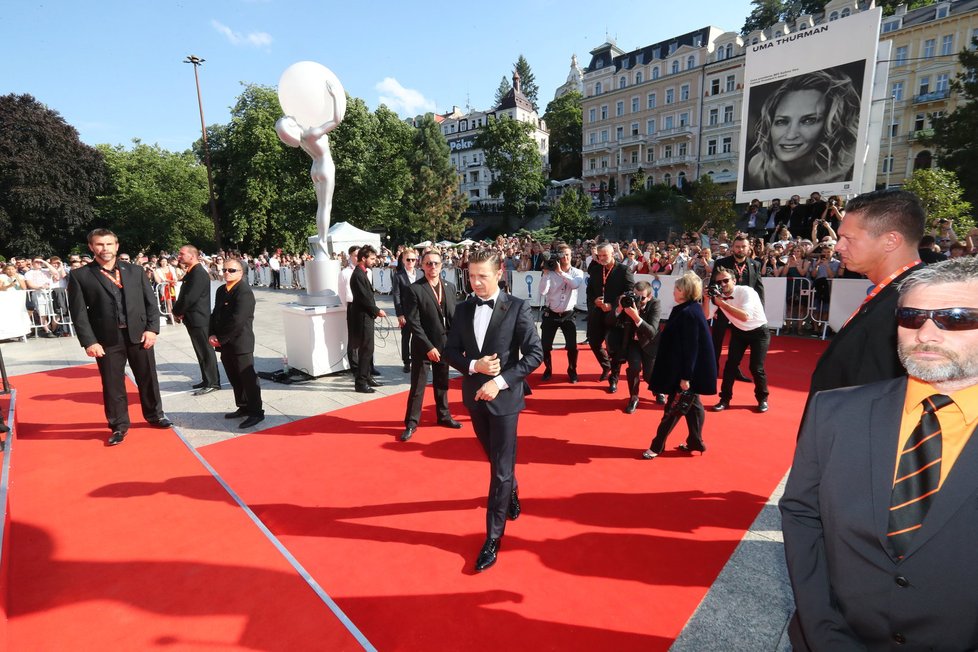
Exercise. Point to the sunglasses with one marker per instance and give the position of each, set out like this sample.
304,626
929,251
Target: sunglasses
432,263
230,270
946,319
410,260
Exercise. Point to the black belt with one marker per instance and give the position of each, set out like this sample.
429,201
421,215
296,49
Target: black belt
559,315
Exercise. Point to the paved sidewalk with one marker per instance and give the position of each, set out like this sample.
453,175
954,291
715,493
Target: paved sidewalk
747,608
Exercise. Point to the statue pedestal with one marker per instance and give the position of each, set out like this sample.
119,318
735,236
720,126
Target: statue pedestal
322,282
316,338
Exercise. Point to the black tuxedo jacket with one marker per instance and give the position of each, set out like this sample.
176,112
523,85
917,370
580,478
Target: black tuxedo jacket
851,591
93,308
511,333
646,331
362,309
620,280
400,287
428,322
193,304
754,278
233,319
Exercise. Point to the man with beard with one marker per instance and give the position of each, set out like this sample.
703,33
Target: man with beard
746,271
607,281
193,308
879,509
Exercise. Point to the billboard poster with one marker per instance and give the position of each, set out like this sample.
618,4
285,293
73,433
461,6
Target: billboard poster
807,100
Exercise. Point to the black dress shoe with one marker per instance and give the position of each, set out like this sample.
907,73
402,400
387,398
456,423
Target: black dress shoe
240,412
450,423
572,376
721,406
632,404
407,368
613,387
406,434
660,399
116,438
162,423
604,374
742,377
206,390
374,372
762,406
487,556
198,385
363,389
372,383
547,375
514,510
689,448
252,421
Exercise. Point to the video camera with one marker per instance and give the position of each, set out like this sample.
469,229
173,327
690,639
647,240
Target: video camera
714,290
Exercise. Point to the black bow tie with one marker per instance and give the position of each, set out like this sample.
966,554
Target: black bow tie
487,302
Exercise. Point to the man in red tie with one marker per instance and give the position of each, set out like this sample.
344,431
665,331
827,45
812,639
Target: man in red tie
880,512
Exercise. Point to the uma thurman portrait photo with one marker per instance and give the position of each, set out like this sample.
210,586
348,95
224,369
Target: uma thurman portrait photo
803,130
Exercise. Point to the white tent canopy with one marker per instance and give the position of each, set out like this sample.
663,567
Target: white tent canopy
446,243
426,243
344,235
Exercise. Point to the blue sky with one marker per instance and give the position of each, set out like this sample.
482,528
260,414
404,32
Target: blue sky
113,68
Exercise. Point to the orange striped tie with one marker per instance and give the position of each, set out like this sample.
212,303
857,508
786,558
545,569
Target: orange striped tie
918,476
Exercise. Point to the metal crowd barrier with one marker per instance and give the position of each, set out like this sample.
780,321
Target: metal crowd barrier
50,306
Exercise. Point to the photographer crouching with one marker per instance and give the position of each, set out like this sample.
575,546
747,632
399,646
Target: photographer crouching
635,338
748,329
559,287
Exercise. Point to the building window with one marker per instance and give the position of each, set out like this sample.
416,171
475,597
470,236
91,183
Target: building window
947,45
634,158
896,91
729,50
670,95
943,83
974,39
672,47
728,114
655,72
634,105
778,34
900,58
604,135
714,86
888,164
675,66
684,92
591,114
619,133
682,149
597,88
622,82
619,108
634,128
726,145
942,11
690,62
649,156
667,179
731,82
683,119
592,138
714,116
721,55
711,148
891,26
604,112
894,129
845,12
918,121
638,77
650,127
667,151
591,163
668,123
834,15
930,46
604,163
651,104
924,87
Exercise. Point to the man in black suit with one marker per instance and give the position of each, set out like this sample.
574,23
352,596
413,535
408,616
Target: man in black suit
489,334
879,509
117,318
746,271
193,308
607,281
232,331
363,311
428,308
403,279
637,332
877,238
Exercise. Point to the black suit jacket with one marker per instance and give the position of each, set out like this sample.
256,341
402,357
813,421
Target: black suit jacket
511,333
93,309
193,304
851,591
233,319
754,278
620,280
646,331
400,287
864,351
429,324
363,309
685,352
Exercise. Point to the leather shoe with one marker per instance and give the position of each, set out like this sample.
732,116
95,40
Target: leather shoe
742,377
604,374
117,437
240,412
572,376
762,406
513,512
661,399
487,556
406,368
251,421
198,385
206,390
721,406
162,423
363,389
372,383
406,434
374,372
613,387
632,404
547,375
450,423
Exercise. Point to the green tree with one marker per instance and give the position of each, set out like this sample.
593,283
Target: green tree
889,6
389,171
48,179
502,91
943,199
350,142
768,12
528,83
956,134
571,216
708,204
638,181
155,199
434,205
517,167
564,119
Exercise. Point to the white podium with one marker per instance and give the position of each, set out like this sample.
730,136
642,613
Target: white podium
315,338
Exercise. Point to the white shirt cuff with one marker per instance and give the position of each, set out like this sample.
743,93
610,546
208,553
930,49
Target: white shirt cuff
500,383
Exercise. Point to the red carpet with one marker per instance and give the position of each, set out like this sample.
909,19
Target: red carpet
612,552
137,547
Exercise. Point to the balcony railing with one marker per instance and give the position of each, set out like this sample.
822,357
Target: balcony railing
597,147
920,134
675,132
716,158
934,96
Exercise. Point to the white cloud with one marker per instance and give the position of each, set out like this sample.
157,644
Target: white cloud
253,39
405,101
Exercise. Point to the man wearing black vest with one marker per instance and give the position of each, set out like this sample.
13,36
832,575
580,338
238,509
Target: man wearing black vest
746,271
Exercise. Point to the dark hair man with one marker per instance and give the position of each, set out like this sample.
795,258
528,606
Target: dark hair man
489,334
879,509
403,279
363,311
607,281
232,330
878,238
636,332
748,330
559,287
746,271
117,318
428,306
193,308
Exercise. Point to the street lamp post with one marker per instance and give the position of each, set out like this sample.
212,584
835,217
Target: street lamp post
196,62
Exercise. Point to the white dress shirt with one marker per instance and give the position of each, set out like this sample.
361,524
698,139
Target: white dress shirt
559,289
746,299
480,324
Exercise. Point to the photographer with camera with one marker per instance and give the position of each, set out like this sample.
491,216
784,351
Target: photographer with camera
636,337
559,287
748,330
746,271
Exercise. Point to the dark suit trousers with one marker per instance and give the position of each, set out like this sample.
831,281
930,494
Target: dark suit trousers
758,341
640,364
206,358
365,356
694,421
497,434
406,344
351,346
719,330
112,369
597,333
419,378
240,368
552,322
